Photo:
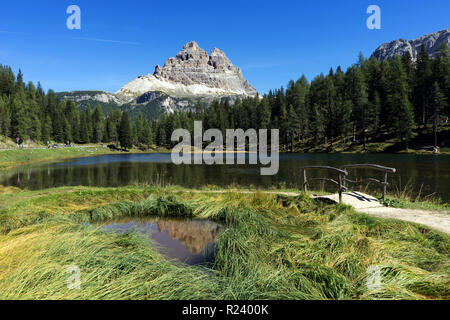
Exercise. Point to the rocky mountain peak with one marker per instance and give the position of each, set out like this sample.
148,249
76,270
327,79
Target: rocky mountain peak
219,60
194,66
191,45
191,51
432,43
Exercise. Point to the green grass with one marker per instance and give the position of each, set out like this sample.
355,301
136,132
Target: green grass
430,205
13,158
18,157
403,196
273,247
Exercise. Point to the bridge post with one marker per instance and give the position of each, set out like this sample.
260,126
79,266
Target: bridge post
340,188
305,182
385,185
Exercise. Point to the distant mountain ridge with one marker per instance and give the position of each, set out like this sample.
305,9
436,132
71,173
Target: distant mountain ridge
432,43
190,77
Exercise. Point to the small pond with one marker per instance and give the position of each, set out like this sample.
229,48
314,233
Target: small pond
191,241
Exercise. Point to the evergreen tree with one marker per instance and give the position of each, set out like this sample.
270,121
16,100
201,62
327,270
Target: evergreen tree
264,114
402,114
125,132
361,112
422,88
4,117
438,103
332,121
442,73
293,127
84,135
46,129
98,127
140,128
147,138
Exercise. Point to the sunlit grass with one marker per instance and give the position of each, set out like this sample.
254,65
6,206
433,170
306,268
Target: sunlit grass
273,247
13,158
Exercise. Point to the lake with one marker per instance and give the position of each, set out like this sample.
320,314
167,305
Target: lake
422,174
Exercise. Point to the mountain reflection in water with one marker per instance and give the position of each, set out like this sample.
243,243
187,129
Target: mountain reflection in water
190,241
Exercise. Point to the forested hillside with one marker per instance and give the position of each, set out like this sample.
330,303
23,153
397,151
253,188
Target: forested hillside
28,113
369,100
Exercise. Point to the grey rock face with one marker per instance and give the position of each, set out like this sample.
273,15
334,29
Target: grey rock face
193,66
193,76
431,41
147,97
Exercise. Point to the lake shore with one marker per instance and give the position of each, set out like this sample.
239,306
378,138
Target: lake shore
11,158
274,247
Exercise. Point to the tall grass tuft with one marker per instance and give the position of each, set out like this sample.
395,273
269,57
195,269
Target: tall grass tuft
273,247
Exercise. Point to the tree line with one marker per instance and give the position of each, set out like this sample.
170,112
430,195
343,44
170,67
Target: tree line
28,113
369,99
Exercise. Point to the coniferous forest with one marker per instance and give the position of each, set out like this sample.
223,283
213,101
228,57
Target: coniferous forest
370,100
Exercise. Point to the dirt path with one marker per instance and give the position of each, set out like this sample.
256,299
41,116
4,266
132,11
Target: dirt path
436,220
369,205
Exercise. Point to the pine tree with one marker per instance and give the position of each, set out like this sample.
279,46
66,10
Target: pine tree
423,85
20,85
125,132
19,118
284,124
360,102
438,103
300,105
139,123
4,117
342,119
7,81
293,127
98,126
317,128
147,138
46,129
264,114
332,122
442,73
402,114
84,135
67,131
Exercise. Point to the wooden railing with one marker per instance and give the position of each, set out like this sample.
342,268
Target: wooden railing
341,177
386,170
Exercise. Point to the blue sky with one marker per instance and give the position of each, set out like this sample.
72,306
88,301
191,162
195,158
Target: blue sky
272,41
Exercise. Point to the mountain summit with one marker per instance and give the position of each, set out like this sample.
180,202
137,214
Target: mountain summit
192,73
192,76
432,42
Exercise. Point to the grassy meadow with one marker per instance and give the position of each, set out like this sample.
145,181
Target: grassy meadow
16,157
273,247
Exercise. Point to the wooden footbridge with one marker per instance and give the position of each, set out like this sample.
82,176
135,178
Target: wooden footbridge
362,202
357,200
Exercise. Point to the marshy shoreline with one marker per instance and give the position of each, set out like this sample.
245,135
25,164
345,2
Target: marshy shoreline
273,247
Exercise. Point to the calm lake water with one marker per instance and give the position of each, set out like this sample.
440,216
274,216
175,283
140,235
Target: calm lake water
424,174
191,241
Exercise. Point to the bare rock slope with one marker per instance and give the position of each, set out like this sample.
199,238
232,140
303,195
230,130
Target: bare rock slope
192,72
432,43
